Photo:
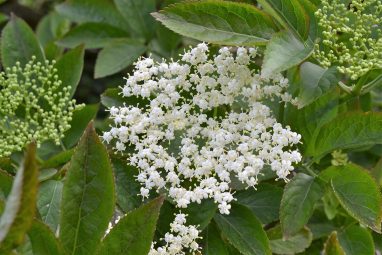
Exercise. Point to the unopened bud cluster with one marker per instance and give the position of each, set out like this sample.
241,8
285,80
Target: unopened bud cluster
34,106
351,36
205,124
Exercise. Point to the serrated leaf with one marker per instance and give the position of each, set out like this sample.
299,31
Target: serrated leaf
92,35
137,15
284,51
88,196
133,234
20,206
356,240
290,14
70,67
297,203
315,81
244,231
43,241
294,244
359,194
213,244
218,22
19,43
264,201
48,203
348,131
117,56
332,245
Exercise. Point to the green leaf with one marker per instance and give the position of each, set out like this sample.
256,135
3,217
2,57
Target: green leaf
81,118
264,201
201,214
46,174
294,244
49,201
19,44
243,230
332,245
99,11
43,240
20,206
134,233
92,35
315,81
57,160
348,131
137,15
70,68
213,244
290,14
284,51
218,22
297,203
51,27
359,194
88,196
117,56
356,240
5,184
112,97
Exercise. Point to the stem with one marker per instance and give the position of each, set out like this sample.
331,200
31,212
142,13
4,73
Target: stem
215,112
344,87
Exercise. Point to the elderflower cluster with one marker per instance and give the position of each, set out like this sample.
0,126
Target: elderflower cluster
351,37
181,238
34,106
205,123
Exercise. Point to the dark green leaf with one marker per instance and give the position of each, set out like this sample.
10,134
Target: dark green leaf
88,196
359,195
133,234
356,240
332,246
48,203
81,118
19,44
20,206
218,22
117,56
70,68
51,27
315,81
57,160
137,15
201,214
297,203
5,184
43,240
244,231
112,97
294,244
264,201
376,172
284,51
348,131
213,244
92,35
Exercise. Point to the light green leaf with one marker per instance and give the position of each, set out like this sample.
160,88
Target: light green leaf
359,194
244,231
264,201
43,241
133,234
19,44
315,81
297,203
70,68
117,56
332,245
213,244
290,14
348,131
88,196
48,203
294,244
356,240
218,22
284,51
20,206
99,11
92,35
137,15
